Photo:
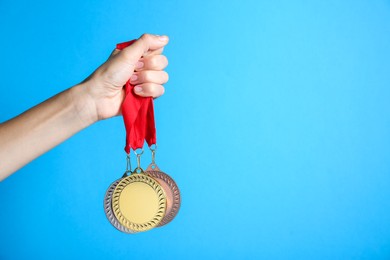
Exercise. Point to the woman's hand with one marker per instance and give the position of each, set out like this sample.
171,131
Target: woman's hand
142,63
100,96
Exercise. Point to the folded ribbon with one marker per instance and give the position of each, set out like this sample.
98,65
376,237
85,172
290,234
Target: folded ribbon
138,115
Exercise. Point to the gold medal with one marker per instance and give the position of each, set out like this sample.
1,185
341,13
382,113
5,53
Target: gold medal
139,202
170,188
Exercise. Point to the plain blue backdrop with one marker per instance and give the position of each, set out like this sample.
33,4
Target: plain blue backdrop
275,125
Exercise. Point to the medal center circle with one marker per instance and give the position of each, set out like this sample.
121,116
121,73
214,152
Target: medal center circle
138,202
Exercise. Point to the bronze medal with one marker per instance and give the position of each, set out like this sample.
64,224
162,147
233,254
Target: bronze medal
171,191
169,186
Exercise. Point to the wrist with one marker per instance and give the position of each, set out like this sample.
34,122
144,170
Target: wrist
83,104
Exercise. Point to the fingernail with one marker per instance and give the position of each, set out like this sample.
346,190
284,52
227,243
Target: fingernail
137,89
139,65
133,77
163,38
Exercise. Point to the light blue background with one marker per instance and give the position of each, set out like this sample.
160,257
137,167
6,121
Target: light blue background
275,125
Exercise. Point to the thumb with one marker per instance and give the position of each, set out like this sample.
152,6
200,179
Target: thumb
147,42
120,66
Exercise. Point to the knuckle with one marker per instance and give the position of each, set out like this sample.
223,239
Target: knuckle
158,61
146,76
148,88
145,37
154,90
165,76
165,59
152,62
158,77
144,40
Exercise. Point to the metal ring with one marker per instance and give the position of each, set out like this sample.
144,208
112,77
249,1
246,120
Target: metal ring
127,173
135,151
138,170
153,149
153,166
128,163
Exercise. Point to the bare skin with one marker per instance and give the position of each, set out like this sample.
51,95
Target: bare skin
39,129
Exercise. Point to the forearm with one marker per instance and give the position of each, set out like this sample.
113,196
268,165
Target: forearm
41,128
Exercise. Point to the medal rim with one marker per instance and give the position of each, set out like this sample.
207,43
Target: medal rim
160,175
107,204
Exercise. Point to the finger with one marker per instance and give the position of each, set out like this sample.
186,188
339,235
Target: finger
149,90
147,42
155,62
155,52
149,76
122,63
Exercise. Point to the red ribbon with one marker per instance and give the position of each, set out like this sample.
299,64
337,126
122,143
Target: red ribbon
138,115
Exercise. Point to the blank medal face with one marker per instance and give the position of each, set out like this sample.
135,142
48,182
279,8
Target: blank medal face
139,202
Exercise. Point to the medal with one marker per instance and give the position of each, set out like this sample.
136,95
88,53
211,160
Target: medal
107,203
140,201
170,187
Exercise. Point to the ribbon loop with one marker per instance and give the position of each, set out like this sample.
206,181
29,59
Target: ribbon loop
138,115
